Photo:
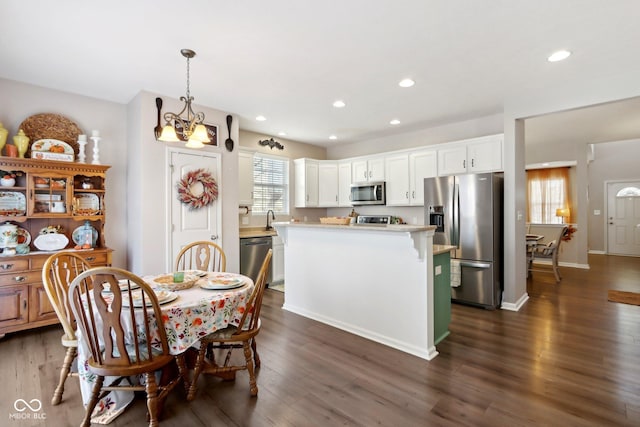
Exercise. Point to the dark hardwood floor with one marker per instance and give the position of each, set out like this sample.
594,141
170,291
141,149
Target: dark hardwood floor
567,358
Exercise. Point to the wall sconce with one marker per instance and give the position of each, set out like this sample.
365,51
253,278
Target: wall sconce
271,143
563,213
191,126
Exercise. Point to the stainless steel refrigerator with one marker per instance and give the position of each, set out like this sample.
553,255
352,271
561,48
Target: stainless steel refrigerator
467,211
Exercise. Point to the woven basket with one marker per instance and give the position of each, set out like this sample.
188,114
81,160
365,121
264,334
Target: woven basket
166,282
51,126
340,220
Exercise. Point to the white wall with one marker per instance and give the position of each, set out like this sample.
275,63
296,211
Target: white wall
613,161
21,100
149,168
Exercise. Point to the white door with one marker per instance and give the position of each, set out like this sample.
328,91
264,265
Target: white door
327,184
422,164
344,184
188,225
397,175
623,218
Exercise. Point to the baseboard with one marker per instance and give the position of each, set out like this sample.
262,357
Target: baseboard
515,307
594,252
562,264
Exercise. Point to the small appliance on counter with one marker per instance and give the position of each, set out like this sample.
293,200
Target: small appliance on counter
374,219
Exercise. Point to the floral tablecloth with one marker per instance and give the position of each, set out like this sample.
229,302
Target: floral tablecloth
195,313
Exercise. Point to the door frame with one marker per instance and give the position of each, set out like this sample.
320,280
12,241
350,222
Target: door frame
606,209
168,189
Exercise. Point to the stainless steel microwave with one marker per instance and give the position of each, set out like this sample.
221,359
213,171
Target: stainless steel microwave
368,193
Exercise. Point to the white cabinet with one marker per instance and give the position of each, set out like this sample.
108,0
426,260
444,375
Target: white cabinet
422,164
245,183
397,178
475,155
277,261
327,183
368,169
344,184
306,183
405,174
485,154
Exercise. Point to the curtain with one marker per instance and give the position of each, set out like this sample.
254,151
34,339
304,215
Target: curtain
547,191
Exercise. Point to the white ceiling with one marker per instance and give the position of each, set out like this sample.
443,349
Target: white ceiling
289,60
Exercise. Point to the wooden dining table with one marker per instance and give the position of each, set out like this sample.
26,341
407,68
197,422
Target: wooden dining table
187,316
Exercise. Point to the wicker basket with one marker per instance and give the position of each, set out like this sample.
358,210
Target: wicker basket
340,220
166,282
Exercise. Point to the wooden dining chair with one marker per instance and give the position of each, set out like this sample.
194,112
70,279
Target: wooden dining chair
57,273
241,336
549,250
119,335
201,255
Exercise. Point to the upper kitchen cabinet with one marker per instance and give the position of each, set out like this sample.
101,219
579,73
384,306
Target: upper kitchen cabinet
475,155
422,164
306,183
327,184
405,174
344,184
368,169
245,183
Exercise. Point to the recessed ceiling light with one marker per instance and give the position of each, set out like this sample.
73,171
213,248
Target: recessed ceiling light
333,137
394,122
339,104
261,118
282,133
406,83
559,56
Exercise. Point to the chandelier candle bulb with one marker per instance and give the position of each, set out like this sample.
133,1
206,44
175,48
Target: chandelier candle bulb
95,134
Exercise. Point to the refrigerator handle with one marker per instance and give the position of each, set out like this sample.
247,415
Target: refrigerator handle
455,229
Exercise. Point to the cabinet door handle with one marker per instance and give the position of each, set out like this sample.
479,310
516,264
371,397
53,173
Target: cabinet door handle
370,174
214,237
365,174
464,163
473,162
6,266
413,194
407,195
24,304
336,197
19,279
90,258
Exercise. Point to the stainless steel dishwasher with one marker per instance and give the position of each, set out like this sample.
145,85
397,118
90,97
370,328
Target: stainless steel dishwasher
252,253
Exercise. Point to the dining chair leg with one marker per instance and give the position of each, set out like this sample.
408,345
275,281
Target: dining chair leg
182,370
191,394
64,373
152,398
256,356
253,386
86,422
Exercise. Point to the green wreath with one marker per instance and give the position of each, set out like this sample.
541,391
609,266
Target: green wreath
209,192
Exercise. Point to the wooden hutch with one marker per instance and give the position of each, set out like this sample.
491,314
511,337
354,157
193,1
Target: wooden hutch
29,204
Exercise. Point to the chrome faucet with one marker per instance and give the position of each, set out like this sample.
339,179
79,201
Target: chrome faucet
273,217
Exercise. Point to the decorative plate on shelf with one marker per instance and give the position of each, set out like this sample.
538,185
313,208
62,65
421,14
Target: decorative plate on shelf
51,126
86,204
79,235
52,146
51,242
24,237
12,203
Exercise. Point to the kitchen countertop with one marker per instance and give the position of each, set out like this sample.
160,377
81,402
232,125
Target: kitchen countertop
256,232
363,227
440,249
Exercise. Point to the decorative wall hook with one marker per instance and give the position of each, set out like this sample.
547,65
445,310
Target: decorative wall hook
271,143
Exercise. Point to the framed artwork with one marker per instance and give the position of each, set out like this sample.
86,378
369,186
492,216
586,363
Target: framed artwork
212,132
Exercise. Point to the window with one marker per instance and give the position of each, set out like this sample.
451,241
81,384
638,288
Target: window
270,184
548,194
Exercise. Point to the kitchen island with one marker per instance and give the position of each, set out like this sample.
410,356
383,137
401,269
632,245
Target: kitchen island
375,281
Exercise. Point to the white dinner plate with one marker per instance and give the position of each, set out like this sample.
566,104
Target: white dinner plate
163,298
221,282
123,285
